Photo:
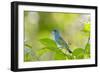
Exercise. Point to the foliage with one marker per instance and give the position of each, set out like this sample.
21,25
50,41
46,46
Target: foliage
87,27
50,45
78,53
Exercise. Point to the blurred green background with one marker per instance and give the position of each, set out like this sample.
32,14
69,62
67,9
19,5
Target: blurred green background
73,27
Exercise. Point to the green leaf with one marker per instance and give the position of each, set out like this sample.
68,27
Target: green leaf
42,51
86,56
87,27
48,42
59,56
56,50
78,53
87,50
51,45
70,57
28,57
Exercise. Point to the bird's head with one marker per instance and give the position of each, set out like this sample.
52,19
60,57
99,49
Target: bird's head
55,32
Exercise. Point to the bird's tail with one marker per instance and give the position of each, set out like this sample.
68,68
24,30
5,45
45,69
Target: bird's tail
68,49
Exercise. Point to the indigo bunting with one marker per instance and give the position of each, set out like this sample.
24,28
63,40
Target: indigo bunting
59,40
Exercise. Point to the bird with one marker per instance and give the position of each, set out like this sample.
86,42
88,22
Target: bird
60,41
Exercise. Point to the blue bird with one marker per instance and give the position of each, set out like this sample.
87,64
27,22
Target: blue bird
59,40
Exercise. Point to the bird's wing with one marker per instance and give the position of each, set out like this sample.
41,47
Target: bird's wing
63,44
